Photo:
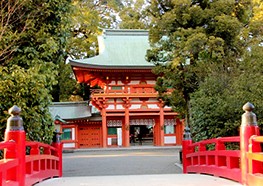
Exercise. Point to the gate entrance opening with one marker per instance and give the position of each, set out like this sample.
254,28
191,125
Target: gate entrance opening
141,135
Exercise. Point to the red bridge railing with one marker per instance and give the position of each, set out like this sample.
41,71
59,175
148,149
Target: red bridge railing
213,156
255,161
25,162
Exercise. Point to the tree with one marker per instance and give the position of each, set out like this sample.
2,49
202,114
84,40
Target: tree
33,36
217,104
29,89
188,37
12,14
133,15
88,20
214,111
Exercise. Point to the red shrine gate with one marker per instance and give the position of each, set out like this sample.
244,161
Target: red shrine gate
127,100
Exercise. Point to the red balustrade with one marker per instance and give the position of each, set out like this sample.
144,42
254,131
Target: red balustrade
24,162
44,161
8,165
144,88
255,161
212,157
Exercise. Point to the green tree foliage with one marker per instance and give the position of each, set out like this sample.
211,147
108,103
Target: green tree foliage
11,12
217,105
133,15
188,37
29,89
33,37
88,20
213,108
84,30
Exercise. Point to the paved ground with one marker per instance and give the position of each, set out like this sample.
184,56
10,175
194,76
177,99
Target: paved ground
135,166
136,161
141,180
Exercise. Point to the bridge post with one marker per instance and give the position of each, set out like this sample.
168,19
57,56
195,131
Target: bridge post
185,145
248,128
15,132
58,145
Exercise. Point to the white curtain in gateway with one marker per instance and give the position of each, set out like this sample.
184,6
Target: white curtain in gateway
169,122
142,122
114,123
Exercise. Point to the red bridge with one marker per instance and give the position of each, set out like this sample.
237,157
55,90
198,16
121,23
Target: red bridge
213,157
25,162
244,165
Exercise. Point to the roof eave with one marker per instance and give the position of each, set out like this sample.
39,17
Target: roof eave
92,66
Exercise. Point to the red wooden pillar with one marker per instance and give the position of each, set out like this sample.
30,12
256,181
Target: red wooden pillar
126,129
179,132
77,145
101,103
104,128
161,126
156,132
248,128
15,132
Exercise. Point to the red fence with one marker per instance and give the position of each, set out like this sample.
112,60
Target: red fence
44,162
212,156
255,161
24,162
7,165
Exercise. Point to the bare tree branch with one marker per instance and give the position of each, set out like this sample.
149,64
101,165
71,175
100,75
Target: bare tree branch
14,21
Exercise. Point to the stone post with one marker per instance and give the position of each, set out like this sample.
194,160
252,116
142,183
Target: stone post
15,132
58,145
187,140
248,128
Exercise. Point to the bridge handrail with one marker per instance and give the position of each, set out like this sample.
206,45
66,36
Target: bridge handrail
216,140
244,165
27,162
255,160
34,145
42,162
215,160
7,144
7,164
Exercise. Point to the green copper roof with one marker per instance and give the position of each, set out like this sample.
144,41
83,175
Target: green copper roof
119,49
70,110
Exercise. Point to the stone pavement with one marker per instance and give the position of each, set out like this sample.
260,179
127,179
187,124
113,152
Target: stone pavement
141,180
131,148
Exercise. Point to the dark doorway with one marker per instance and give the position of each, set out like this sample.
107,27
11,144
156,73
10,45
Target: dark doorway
141,135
